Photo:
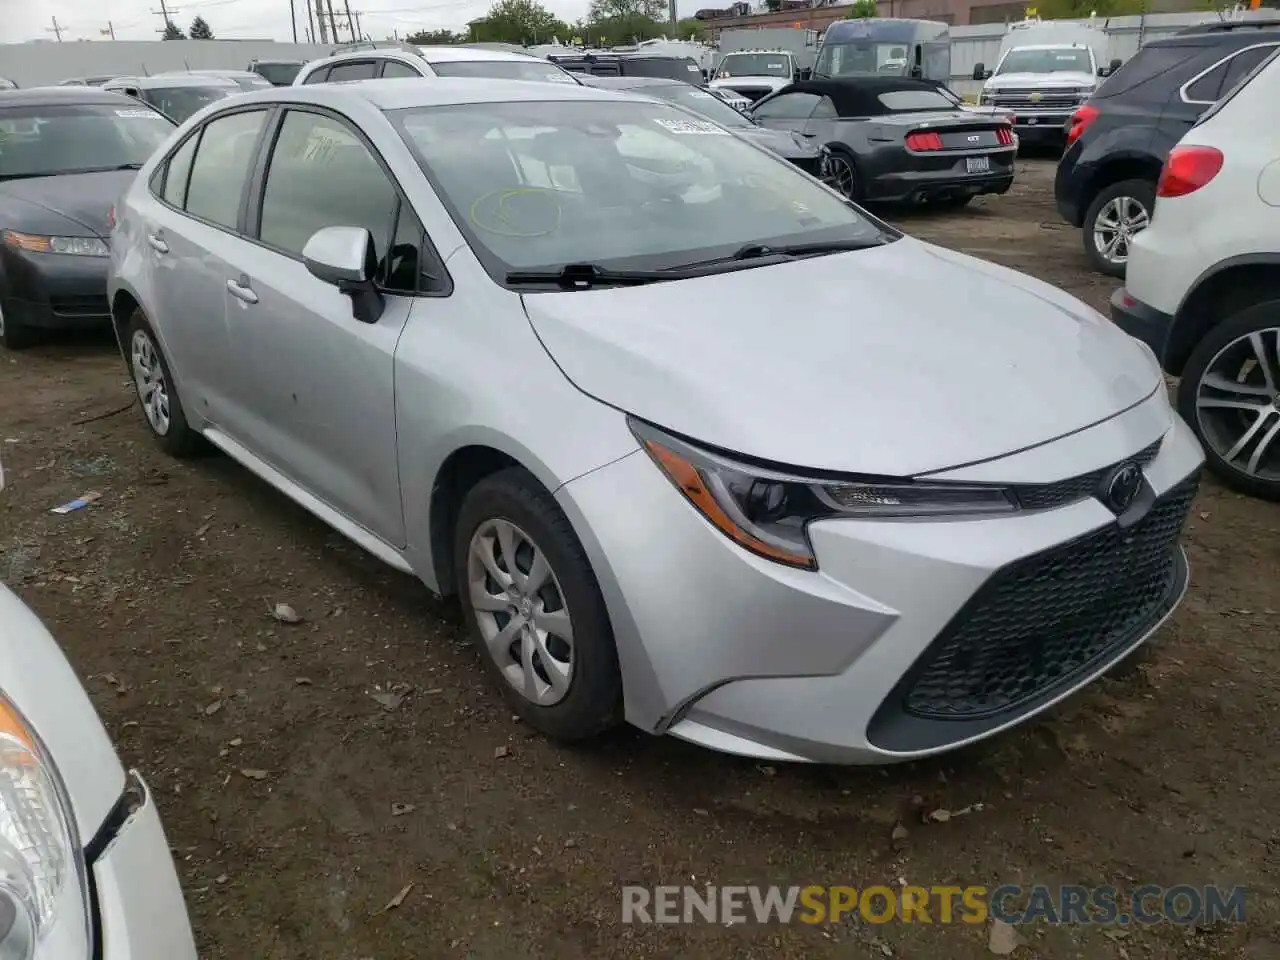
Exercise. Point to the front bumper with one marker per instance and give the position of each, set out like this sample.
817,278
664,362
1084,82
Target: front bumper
55,291
1140,321
140,911
723,648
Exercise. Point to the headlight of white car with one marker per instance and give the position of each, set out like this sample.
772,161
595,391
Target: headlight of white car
44,892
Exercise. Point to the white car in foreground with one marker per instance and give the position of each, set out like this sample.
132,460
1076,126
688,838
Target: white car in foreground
1203,282
85,870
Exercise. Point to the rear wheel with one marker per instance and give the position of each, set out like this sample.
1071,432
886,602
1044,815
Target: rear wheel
1230,395
1116,215
842,174
157,392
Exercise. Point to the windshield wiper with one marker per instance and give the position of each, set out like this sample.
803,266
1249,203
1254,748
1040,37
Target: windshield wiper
764,251
581,276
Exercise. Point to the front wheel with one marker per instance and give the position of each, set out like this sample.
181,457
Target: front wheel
1230,395
1115,217
534,608
13,335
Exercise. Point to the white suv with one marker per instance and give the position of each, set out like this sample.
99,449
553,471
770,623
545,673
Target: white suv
439,61
1203,282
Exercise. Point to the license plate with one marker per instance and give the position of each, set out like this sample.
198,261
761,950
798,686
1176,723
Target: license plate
977,164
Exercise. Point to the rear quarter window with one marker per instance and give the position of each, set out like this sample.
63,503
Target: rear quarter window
1146,65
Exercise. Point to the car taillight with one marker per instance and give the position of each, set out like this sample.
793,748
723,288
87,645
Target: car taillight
1080,121
111,217
924,141
1187,170
1005,136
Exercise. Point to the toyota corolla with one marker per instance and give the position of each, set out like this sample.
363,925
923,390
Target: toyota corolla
698,442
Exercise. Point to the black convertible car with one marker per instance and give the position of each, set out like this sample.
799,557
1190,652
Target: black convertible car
788,145
66,154
895,139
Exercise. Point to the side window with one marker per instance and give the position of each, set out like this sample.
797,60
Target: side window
399,271
322,175
358,70
1207,88
221,166
179,169
1242,64
825,110
394,68
789,106
317,76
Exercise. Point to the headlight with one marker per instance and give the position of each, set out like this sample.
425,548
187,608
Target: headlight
75,246
767,511
43,882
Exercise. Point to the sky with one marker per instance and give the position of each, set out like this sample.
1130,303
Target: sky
249,19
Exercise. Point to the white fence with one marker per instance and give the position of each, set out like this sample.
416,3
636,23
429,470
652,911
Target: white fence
42,63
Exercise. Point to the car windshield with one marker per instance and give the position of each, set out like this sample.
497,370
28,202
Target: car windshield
620,184
181,102
754,65
906,101
252,83
278,74
47,140
1060,60
531,69
690,97
861,58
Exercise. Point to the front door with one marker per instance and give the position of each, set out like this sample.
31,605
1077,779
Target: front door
786,111
322,393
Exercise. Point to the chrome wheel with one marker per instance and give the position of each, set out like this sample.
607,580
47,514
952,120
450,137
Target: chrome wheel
149,378
1238,404
1115,226
840,174
521,611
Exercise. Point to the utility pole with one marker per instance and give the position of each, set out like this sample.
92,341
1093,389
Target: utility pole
55,29
315,13
111,30
293,20
165,12
351,24
359,29
333,23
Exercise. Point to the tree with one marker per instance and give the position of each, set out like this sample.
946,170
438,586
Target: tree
172,32
691,28
428,38
517,21
199,30
623,11
862,8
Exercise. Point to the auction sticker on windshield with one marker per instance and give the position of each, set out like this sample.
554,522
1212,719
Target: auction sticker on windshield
559,78
139,115
693,127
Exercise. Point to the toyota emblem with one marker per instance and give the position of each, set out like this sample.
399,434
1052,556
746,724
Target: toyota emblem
1120,487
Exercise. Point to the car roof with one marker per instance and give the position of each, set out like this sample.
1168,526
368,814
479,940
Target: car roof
43,96
628,83
161,80
210,72
857,96
1225,33
453,53
411,92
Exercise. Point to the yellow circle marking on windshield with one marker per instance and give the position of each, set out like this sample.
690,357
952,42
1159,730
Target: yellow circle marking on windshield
503,213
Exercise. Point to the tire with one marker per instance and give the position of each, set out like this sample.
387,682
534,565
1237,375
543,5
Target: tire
1224,353
14,336
592,702
1141,197
172,432
851,187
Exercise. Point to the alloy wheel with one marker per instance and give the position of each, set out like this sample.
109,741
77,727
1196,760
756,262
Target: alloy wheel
149,378
1115,226
1238,404
521,611
840,174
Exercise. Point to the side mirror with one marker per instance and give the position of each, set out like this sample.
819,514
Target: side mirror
979,71
345,257
1114,66
916,72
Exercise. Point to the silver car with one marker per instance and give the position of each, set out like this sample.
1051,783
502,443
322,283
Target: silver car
698,443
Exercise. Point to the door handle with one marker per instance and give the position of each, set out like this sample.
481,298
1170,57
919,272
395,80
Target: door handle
240,290
157,244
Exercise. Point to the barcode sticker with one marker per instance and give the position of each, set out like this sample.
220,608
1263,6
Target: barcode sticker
693,128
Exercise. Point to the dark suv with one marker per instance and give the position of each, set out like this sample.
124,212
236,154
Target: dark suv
632,65
1117,142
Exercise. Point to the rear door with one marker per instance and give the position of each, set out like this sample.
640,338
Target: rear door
189,232
353,70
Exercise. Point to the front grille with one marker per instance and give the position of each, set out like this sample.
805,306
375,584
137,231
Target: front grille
1045,620
1046,496
752,93
1034,100
85,305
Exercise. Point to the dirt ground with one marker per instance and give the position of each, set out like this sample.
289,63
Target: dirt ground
299,806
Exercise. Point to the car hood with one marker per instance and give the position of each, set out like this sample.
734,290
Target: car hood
895,361
1041,81
84,198
37,679
729,83
782,142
